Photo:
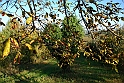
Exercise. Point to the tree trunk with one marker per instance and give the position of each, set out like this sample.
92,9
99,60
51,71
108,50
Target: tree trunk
66,67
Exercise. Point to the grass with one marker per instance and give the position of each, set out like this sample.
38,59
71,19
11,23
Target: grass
82,71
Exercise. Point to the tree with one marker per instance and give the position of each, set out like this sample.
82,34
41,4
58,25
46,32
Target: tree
53,31
65,48
74,28
72,35
51,34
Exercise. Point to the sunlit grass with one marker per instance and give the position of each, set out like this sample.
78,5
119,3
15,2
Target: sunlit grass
82,71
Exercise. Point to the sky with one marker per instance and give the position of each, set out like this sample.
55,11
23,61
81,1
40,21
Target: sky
61,16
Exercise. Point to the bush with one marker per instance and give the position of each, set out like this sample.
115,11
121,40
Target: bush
106,49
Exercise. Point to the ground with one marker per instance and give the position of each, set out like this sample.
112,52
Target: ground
82,71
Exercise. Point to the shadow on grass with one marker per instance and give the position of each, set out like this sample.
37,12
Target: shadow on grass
82,71
87,71
36,73
121,72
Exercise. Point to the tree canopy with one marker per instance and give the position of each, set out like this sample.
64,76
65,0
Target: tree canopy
74,27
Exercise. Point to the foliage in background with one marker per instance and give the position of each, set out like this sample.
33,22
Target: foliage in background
72,27
106,49
52,33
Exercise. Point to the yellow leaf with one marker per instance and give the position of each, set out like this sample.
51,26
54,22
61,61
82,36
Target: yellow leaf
1,11
69,44
115,68
29,20
116,61
102,41
107,61
6,48
86,53
17,57
29,46
32,41
14,42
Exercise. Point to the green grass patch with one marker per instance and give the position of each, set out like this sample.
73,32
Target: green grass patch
82,71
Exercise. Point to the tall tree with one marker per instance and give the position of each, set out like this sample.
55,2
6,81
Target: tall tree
72,27
53,31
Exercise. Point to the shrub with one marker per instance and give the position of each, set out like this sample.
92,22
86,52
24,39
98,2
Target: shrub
106,49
